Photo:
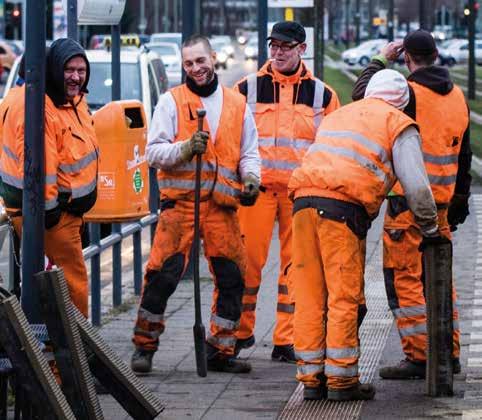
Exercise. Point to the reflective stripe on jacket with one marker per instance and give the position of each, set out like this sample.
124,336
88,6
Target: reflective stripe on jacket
287,111
219,177
441,137
351,159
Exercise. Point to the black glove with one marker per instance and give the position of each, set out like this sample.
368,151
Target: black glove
433,240
250,190
458,210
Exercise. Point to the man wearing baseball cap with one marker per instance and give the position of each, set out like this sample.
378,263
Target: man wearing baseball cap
447,156
288,103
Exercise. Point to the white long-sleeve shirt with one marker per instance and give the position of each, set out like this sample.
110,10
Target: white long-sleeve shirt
163,153
410,170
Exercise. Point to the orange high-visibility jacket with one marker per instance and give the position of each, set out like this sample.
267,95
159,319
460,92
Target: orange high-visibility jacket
441,137
287,111
219,177
71,155
351,159
13,96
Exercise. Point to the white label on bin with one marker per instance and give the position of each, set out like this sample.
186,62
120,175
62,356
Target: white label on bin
107,180
138,159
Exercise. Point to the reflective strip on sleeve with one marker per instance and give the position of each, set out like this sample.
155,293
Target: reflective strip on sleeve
285,307
310,355
12,180
410,311
410,331
224,323
343,353
279,164
282,289
440,160
9,152
222,341
149,316
51,204
84,190
348,372
252,86
80,164
51,179
151,334
309,369
442,180
352,154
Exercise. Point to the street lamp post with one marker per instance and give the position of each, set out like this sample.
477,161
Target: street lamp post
262,32
319,28
471,33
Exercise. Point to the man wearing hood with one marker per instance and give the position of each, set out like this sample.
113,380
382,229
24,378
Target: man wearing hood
447,155
71,163
230,171
288,104
359,153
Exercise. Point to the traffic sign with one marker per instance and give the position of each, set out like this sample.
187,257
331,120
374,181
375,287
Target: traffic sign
98,12
290,3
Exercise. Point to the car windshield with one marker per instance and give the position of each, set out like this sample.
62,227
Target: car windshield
100,83
172,39
163,49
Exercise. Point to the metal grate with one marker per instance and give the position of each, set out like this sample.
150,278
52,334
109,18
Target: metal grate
373,335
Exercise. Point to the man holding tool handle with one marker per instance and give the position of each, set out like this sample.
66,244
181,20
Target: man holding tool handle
199,118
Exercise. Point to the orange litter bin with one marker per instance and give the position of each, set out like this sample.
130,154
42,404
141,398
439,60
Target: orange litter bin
123,183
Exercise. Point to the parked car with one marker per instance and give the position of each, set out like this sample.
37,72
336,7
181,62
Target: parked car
457,52
251,49
173,37
363,53
171,57
143,77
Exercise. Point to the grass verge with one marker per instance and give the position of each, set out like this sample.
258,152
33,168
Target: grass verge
340,83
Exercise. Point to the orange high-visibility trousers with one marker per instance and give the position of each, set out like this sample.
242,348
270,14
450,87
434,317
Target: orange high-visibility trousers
257,224
169,256
327,277
404,283
63,247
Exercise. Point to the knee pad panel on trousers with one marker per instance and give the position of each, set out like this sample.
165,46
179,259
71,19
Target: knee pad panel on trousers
160,285
389,277
230,283
362,311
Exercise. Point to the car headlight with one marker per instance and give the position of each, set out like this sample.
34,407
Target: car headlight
229,50
249,51
222,57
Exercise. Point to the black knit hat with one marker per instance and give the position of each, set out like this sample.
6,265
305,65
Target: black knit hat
288,31
419,42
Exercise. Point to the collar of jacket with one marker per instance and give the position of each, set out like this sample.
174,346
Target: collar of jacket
302,73
435,78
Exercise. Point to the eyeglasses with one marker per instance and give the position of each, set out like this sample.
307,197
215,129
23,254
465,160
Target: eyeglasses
282,47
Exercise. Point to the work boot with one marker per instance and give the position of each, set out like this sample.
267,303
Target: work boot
356,392
456,368
316,392
284,353
243,343
406,369
221,363
141,361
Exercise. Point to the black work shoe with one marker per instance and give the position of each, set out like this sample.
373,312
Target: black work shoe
243,343
317,392
406,369
357,392
284,353
220,363
141,361
456,368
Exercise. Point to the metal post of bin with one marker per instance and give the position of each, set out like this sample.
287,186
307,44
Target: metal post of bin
116,227
33,206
